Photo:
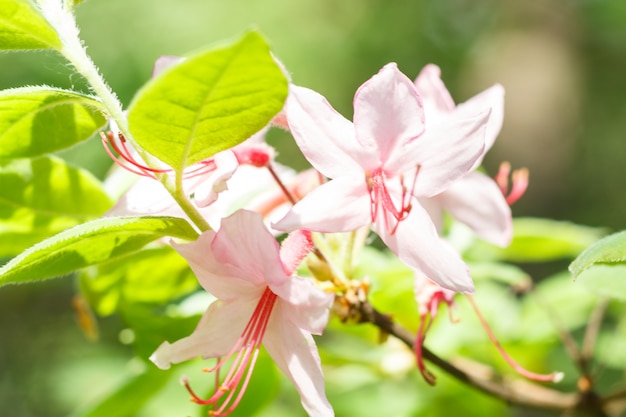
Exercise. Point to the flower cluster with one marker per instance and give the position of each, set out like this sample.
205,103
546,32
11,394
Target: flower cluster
409,155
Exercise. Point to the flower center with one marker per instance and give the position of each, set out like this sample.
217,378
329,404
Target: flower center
244,353
380,196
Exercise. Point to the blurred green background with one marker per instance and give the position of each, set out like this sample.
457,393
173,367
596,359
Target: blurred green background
562,63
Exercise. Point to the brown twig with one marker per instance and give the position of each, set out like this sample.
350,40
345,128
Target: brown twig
513,391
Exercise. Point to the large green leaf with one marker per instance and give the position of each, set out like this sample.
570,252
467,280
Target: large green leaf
538,240
39,120
23,27
90,244
44,196
610,250
209,102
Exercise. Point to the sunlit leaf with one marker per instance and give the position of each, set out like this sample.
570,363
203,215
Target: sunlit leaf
130,396
610,250
40,120
23,27
90,244
209,102
151,276
539,240
44,196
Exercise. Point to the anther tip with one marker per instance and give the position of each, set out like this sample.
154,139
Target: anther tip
184,380
558,377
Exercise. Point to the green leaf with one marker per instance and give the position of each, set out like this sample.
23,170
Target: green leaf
44,196
538,240
23,27
39,120
209,102
134,279
130,396
610,250
90,244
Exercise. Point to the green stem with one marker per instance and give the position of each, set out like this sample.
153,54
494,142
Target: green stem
59,15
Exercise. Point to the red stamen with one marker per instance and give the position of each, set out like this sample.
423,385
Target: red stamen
122,156
247,351
553,377
425,322
380,196
519,182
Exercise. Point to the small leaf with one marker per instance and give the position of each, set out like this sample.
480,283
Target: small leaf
39,120
610,250
90,244
209,102
23,27
608,280
44,196
538,240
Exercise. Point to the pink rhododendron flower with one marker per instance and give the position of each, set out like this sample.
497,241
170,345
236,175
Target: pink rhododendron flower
259,301
380,165
474,199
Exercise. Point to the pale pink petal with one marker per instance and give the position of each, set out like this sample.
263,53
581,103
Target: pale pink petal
339,205
387,113
216,334
223,281
417,243
294,248
477,201
294,352
444,154
146,197
208,186
492,98
247,247
325,137
435,96
304,304
164,62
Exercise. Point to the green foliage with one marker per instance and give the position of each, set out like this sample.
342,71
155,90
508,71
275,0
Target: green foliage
44,196
538,240
134,279
610,250
209,102
89,244
602,266
145,296
39,120
23,27
606,280
130,396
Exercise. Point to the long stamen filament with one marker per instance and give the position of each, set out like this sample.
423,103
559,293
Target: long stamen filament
553,377
247,350
380,196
